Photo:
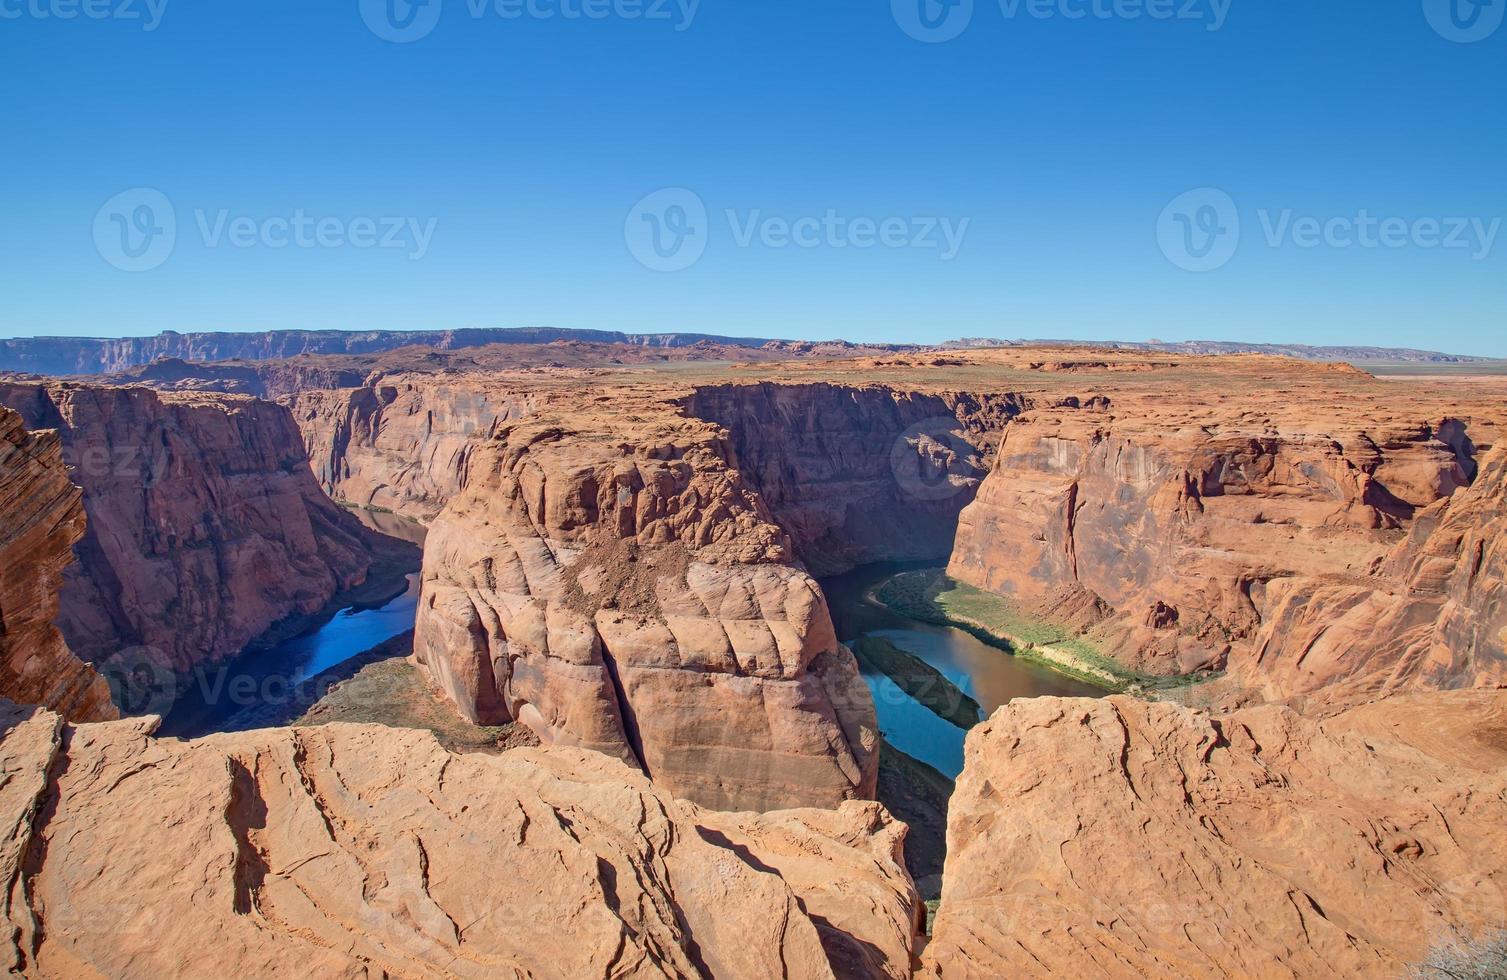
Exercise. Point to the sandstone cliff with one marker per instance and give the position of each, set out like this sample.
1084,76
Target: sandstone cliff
205,526
348,851
1119,838
859,474
609,580
400,444
1176,537
44,516
1434,616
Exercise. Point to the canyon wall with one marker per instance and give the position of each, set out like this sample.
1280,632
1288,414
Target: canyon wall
1121,838
859,474
1173,536
609,579
353,850
401,444
1434,615
44,516
205,526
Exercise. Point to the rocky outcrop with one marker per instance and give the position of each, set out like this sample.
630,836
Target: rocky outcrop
1120,838
1176,536
349,850
44,516
205,526
609,580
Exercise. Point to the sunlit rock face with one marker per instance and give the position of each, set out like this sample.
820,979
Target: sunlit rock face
359,850
1121,838
1222,544
608,579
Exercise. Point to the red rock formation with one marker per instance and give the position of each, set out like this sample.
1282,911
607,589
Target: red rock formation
859,474
351,850
44,516
610,581
400,444
205,526
1191,530
1435,615
1120,838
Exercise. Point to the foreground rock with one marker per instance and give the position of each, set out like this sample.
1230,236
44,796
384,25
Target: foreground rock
44,516
1120,838
205,526
346,851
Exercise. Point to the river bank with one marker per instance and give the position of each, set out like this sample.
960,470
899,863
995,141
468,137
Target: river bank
932,596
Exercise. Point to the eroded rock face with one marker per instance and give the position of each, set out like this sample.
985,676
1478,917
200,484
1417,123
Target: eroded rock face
1176,538
352,851
611,582
44,516
400,445
205,526
1434,616
859,474
1120,838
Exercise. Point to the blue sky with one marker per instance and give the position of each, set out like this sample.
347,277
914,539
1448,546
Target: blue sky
506,161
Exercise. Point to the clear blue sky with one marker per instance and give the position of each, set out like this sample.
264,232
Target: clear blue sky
527,143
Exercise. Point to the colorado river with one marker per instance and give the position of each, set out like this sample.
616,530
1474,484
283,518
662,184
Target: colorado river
210,698
990,675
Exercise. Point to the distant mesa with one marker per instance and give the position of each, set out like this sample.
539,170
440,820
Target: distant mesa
109,355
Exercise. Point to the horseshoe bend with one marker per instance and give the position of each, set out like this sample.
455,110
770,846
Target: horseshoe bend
1235,624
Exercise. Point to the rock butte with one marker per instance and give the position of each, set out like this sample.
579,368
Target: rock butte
621,555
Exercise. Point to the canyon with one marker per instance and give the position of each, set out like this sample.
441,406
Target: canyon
204,527
622,556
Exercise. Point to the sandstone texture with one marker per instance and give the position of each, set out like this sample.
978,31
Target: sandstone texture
205,526
400,444
1195,535
44,516
1120,838
612,582
858,475
360,851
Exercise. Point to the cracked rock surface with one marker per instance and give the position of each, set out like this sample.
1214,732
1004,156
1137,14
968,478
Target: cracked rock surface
361,851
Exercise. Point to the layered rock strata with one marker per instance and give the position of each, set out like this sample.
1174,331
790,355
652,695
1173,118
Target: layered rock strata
401,444
1176,539
44,516
1433,617
1121,838
205,525
859,474
607,578
348,850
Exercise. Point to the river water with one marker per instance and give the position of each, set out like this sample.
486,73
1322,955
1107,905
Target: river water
212,698
989,675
